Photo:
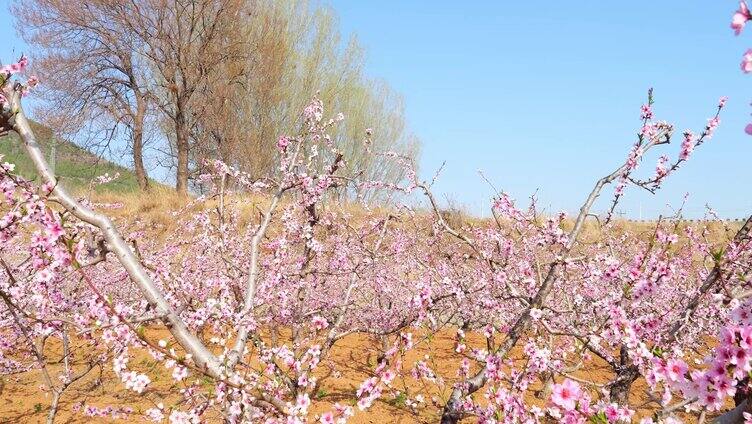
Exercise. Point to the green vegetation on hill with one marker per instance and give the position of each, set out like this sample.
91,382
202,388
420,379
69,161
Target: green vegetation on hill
75,167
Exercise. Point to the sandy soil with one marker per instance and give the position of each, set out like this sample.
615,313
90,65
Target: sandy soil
22,401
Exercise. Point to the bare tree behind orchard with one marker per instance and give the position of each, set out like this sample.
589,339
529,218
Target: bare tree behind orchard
188,43
94,78
224,79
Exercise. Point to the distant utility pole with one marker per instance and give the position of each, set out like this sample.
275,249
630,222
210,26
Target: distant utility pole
53,153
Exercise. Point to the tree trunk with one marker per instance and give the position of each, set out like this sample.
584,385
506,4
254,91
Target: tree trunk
181,134
619,391
138,145
736,415
53,407
742,393
548,384
626,374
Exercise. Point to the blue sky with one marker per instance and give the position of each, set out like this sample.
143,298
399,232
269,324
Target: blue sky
545,95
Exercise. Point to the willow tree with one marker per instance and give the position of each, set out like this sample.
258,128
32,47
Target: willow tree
292,52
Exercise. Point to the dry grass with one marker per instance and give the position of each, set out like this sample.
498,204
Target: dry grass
158,207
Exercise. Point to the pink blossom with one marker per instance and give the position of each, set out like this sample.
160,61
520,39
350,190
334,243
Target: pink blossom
302,403
15,68
327,418
365,403
710,398
566,394
725,386
742,315
612,413
179,373
660,169
136,382
314,111
388,377
747,62
154,414
179,417
740,18
712,126
283,142
740,357
319,322
54,230
648,131
536,314
745,336
675,369
646,113
687,146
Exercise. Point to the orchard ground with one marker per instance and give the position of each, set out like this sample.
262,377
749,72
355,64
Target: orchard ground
355,356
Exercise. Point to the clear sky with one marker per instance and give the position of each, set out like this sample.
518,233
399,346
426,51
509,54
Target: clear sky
545,95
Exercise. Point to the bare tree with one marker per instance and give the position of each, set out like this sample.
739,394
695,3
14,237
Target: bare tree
187,43
91,68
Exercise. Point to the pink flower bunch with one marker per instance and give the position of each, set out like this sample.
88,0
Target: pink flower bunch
111,412
646,112
180,417
660,169
687,146
738,22
340,415
155,414
746,64
105,179
571,404
567,395
319,323
726,368
135,381
712,126
740,18
282,143
15,68
314,112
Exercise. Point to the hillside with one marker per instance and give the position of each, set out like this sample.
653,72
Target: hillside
74,166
